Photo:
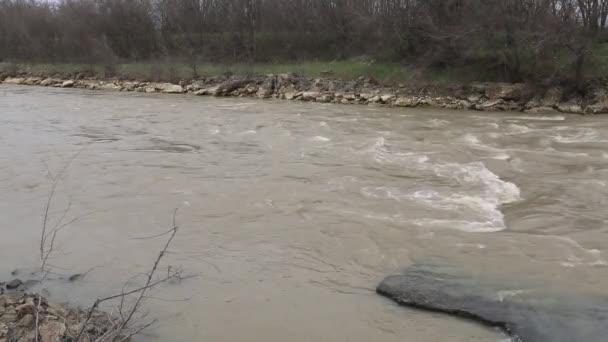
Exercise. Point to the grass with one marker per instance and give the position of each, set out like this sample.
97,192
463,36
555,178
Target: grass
347,70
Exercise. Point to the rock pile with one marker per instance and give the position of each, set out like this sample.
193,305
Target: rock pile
478,96
24,315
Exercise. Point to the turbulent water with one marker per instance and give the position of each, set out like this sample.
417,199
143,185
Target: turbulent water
291,213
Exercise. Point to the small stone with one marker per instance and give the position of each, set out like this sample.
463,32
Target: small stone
13,284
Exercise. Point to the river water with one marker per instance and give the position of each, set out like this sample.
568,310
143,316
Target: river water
291,213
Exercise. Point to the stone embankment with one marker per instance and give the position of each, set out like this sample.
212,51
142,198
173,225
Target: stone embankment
477,96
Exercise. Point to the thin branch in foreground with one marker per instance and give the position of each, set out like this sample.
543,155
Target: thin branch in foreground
141,291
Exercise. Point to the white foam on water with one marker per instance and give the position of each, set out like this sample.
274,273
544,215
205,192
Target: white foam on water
320,138
583,135
383,155
438,122
518,129
474,142
482,195
539,118
323,124
249,132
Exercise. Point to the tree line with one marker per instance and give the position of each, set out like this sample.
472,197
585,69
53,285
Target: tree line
512,40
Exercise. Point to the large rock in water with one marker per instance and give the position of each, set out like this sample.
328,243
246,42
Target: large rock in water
528,315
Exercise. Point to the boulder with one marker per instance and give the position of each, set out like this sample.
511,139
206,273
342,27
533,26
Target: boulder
47,82
570,108
597,108
386,98
14,80
207,91
110,86
310,95
552,97
231,85
324,98
169,88
67,84
403,101
14,284
267,88
527,313
32,80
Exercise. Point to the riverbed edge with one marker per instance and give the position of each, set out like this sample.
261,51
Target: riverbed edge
513,97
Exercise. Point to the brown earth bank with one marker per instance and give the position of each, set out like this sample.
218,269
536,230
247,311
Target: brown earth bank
367,91
28,316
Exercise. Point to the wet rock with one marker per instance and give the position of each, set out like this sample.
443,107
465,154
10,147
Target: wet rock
597,108
67,84
13,284
527,314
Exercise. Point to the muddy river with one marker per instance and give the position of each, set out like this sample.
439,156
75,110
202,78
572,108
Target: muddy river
290,214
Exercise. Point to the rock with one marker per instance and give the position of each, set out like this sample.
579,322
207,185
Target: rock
32,80
541,111
570,108
14,80
52,331
349,96
505,91
325,98
386,98
527,314
229,86
310,95
474,98
552,97
267,88
207,91
402,101
290,95
67,84
110,86
47,82
169,88
13,284
490,104
26,321
597,108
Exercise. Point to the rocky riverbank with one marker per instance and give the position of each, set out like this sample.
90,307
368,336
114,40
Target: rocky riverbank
23,315
365,91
